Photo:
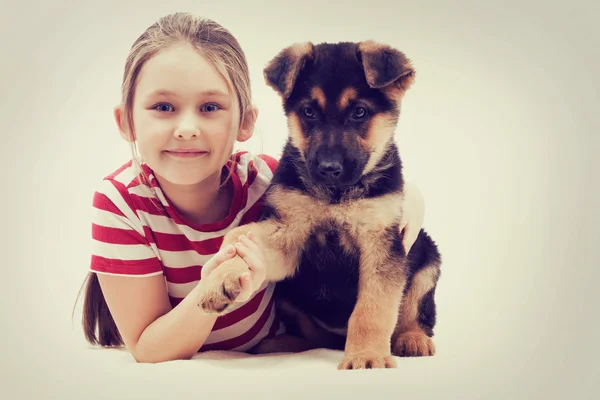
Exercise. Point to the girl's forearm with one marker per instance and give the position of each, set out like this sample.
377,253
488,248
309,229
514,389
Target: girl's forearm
177,334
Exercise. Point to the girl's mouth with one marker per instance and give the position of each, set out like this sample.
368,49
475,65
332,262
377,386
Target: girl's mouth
186,153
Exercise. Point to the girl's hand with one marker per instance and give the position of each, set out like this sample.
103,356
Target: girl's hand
249,249
224,254
413,214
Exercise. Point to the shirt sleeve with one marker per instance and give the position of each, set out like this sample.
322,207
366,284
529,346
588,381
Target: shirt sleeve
119,245
270,161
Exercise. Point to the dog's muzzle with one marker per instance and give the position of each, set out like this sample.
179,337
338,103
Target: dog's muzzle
329,168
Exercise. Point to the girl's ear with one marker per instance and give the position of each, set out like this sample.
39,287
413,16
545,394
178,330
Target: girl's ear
118,112
247,125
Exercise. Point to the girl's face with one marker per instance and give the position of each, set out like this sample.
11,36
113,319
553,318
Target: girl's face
184,117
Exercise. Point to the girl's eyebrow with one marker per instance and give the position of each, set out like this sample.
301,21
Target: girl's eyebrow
165,92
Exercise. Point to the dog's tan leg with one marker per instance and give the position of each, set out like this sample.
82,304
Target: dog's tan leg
280,246
409,339
374,317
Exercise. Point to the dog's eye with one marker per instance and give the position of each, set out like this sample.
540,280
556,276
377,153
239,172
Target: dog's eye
359,113
308,112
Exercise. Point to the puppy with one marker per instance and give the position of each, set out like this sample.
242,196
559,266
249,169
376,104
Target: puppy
330,227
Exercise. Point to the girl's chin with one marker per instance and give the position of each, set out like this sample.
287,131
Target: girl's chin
184,178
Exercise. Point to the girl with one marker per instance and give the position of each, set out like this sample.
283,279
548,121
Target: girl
160,218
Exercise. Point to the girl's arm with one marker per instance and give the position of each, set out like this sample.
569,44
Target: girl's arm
152,330
132,285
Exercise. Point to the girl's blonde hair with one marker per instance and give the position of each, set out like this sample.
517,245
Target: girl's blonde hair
221,48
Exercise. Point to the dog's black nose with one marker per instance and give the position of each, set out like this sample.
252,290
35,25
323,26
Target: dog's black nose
330,170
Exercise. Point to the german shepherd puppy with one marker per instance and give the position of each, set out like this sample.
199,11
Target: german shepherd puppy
330,228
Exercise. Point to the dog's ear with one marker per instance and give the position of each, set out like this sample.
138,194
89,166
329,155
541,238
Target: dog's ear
385,65
281,72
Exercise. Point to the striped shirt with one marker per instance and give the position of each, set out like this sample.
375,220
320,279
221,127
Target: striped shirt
137,232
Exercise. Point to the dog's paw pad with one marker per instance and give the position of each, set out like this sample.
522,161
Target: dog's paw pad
413,344
367,360
217,299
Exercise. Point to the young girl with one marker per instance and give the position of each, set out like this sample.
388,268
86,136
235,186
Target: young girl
160,218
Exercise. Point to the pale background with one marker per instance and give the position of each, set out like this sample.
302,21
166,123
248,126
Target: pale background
500,132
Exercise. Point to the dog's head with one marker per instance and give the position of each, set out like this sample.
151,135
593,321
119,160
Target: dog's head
342,102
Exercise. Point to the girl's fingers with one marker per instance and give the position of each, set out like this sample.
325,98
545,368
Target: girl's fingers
247,255
254,246
252,237
222,255
246,284
249,243
253,262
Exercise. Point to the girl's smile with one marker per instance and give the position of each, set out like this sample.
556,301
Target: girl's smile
186,153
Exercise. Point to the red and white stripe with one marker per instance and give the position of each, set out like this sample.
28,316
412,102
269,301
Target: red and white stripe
133,236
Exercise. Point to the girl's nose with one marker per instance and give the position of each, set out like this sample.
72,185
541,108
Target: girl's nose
187,129
186,133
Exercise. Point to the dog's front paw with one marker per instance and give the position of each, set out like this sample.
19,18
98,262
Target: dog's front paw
222,288
413,344
219,296
367,360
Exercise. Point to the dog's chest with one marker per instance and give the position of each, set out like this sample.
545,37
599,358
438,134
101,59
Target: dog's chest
357,217
326,282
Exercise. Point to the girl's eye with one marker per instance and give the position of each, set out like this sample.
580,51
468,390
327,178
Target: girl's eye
211,107
163,107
